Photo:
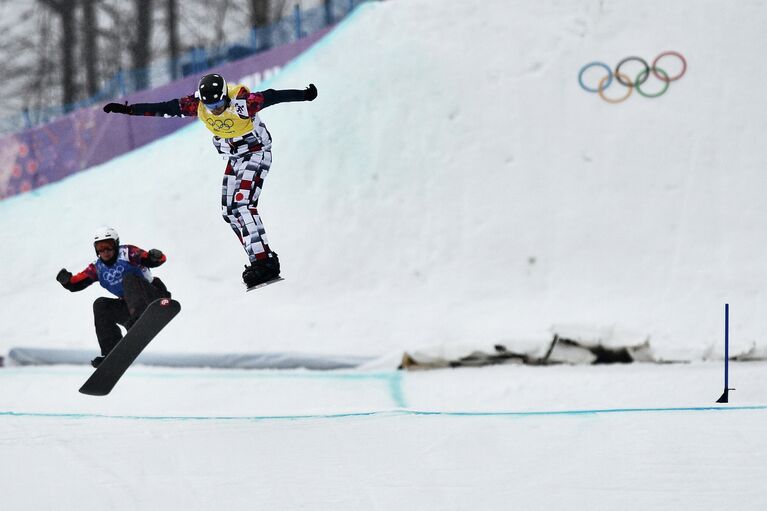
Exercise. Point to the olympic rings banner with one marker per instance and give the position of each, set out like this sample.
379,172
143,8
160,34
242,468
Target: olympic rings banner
641,78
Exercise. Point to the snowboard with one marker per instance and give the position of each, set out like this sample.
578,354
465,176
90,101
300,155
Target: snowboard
108,373
264,284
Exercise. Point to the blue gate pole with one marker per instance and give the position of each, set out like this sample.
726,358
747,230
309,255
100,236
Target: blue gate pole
297,16
725,395
328,14
27,118
254,38
121,82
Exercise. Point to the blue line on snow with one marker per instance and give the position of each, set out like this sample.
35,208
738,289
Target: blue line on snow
390,413
393,379
396,391
213,373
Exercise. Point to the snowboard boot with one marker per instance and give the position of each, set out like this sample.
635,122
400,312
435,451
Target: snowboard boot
132,320
261,270
97,361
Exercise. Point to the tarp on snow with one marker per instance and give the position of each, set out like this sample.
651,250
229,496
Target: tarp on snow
47,356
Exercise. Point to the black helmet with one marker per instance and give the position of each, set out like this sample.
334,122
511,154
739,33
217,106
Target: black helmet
212,90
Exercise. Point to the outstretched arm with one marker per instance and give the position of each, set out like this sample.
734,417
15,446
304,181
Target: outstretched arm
259,100
80,281
151,259
182,107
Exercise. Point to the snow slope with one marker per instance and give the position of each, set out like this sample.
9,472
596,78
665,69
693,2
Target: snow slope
451,184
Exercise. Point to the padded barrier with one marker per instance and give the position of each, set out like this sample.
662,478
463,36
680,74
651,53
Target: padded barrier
46,356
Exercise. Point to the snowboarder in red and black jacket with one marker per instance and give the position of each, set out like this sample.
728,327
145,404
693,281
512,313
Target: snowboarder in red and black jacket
123,270
230,112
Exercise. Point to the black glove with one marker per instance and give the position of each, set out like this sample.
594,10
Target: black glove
117,108
155,256
310,92
63,277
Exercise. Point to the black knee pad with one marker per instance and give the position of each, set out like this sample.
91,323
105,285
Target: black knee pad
101,303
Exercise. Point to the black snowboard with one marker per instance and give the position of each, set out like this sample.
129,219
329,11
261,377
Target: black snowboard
264,284
155,317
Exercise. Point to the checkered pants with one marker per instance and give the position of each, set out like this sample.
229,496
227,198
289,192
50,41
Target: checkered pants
243,181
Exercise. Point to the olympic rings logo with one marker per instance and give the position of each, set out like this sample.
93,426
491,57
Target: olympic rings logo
114,275
641,78
221,125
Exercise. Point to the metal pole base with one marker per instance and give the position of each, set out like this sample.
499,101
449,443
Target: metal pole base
725,396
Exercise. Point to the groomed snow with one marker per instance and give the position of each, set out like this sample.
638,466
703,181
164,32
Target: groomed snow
451,185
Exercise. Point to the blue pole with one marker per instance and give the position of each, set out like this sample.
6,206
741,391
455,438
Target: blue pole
121,82
254,38
726,344
297,13
725,395
27,118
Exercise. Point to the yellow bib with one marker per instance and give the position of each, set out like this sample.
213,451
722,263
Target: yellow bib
234,121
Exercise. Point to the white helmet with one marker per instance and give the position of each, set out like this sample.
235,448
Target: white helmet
106,233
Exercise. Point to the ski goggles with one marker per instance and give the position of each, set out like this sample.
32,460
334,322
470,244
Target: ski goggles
217,105
104,250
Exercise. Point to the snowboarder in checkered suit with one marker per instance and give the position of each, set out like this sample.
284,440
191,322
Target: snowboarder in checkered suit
230,112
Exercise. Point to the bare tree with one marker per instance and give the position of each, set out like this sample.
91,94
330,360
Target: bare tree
66,13
262,13
141,46
259,20
115,32
55,52
18,52
171,26
89,49
219,18
43,73
328,8
259,13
